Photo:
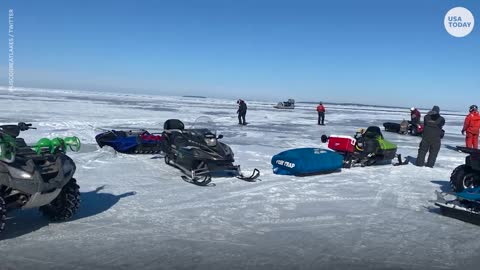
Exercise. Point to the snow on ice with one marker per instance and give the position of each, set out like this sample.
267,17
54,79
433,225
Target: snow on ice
137,213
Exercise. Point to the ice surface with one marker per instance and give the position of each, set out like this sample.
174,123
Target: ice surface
137,213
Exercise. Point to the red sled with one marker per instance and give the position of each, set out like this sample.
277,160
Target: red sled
151,137
344,144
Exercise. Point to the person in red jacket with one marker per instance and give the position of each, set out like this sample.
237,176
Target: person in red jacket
472,127
415,115
321,114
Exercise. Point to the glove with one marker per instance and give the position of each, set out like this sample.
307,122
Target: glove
463,132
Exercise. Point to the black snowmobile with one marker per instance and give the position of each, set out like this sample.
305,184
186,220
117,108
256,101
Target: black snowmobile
467,175
198,153
38,176
404,127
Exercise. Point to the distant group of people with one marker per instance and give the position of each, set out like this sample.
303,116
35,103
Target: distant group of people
432,131
242,112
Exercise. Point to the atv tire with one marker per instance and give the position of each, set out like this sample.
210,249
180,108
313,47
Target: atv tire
65,205
463,177
3,213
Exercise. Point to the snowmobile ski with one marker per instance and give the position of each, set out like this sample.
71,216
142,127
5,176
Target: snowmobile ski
189,176
255,174
454,148
460,208
400,162
203,183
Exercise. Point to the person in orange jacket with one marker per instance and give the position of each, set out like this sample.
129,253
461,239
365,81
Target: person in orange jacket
321,114
472,127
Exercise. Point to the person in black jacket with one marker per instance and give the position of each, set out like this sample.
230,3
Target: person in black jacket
242,112
431,137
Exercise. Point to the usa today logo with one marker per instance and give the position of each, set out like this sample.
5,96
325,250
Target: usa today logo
459,22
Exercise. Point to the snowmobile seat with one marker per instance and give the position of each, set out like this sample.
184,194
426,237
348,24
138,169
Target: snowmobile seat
373,132
173,125
372,142
173,130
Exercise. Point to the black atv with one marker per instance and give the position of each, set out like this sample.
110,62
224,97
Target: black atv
467,175
38,176
198,153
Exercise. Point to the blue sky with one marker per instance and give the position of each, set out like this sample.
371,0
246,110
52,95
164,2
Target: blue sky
376,52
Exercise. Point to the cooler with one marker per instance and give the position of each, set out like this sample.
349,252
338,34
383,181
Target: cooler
342,143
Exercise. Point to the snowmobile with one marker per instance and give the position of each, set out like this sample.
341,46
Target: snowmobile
404,127
290,104
198,153
468,174
465,205
131,142
39,176
365,148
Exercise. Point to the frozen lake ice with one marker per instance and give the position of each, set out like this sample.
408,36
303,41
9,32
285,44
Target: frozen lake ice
136,212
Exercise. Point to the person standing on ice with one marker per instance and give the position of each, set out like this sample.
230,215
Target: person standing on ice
414,116
321,114
472,126
242,112
431,137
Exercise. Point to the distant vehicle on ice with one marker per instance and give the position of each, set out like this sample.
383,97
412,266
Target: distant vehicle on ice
290,104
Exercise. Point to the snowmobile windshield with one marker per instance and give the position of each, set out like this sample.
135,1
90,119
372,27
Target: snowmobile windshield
205,122
207,128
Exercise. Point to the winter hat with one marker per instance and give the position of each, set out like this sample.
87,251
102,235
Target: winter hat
473,108
436,109
412,109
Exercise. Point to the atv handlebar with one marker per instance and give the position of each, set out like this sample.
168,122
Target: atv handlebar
24,126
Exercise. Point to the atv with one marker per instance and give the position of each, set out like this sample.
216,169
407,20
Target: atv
198,153
39,176
365,148
467,175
